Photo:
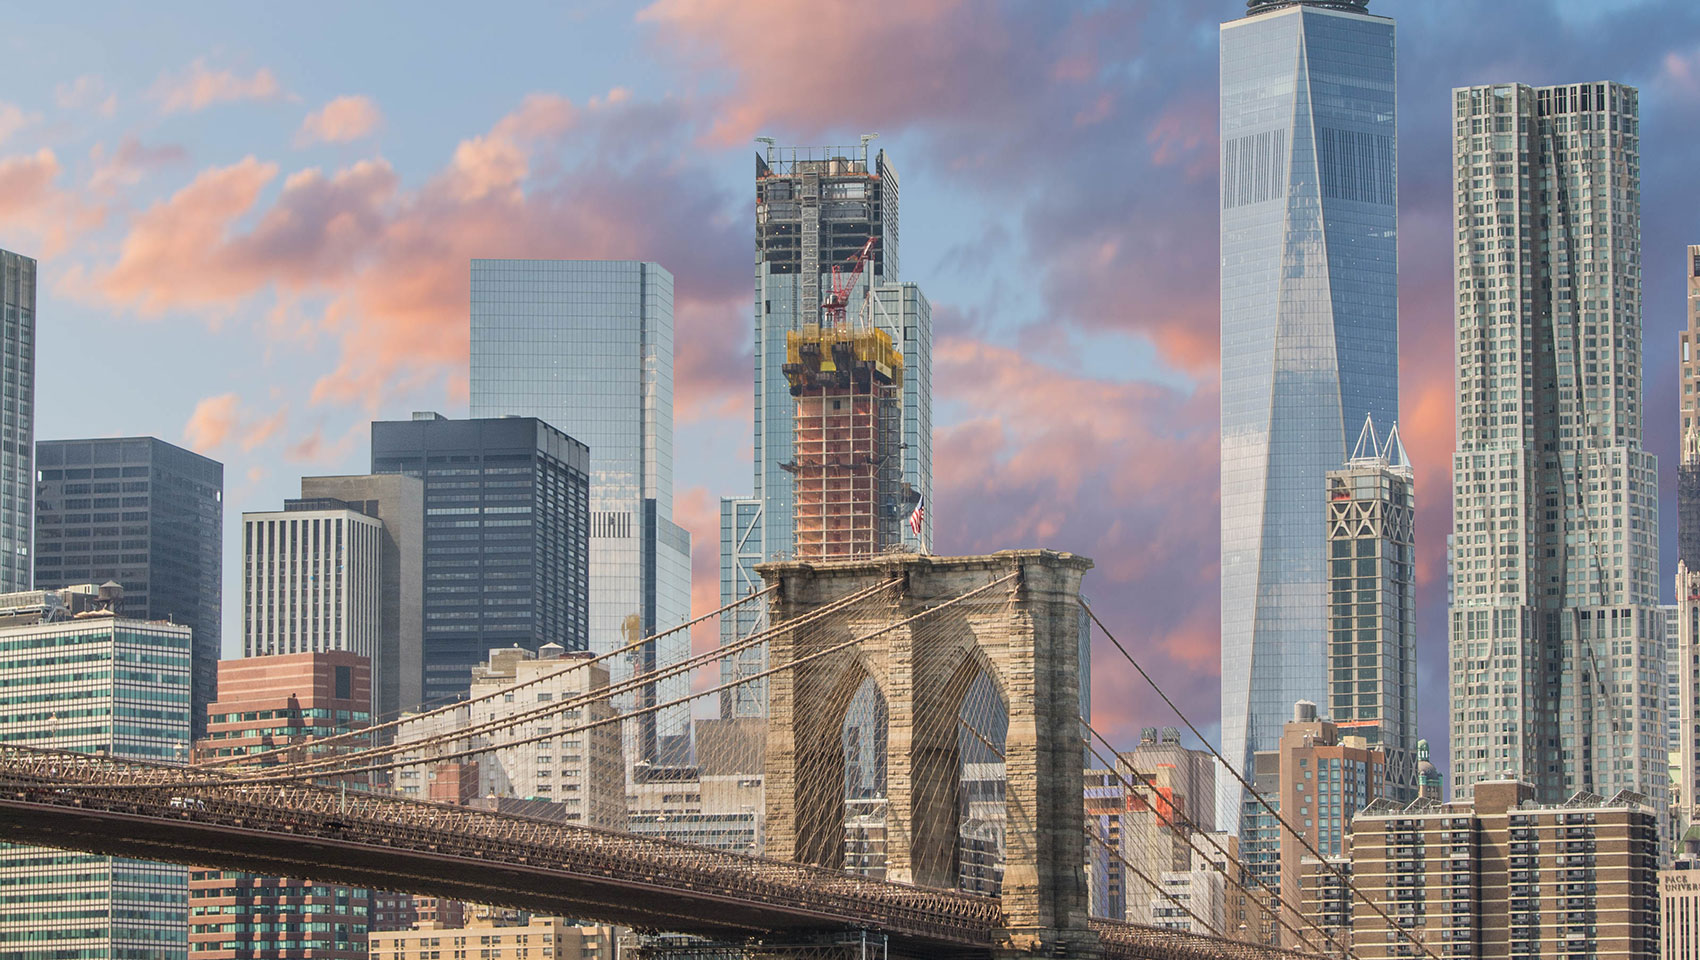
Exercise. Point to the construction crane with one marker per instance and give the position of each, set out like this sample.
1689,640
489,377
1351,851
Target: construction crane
832,309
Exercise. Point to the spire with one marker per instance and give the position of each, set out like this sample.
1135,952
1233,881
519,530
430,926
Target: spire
1366,448
1394,452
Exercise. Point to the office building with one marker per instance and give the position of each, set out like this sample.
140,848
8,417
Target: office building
1372,639
1192,772
1318,779
1557,660
587,346
148,516
17,419
506,524
716,802
312,580
581,770
275,708
1503,875
1684,619
397,502
1310,338
78,678
816,209
549,937
1679,912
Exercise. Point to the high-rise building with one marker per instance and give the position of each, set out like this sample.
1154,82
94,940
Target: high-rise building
1372,643
17,419
1556,635
266,704
506,525
1317,778
398,502
1685,618
75,677
147,515
816,209
583,771
587,346
1310,338
1502,875
312,580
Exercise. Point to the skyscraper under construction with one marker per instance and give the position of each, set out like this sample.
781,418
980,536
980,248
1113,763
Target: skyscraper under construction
818,208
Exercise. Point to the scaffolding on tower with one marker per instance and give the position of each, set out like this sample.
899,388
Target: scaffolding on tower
847,378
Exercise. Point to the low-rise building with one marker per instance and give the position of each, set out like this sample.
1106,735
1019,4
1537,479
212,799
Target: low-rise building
542,937
580,767
1679,911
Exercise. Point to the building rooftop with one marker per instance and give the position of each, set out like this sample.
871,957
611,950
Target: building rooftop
1255,7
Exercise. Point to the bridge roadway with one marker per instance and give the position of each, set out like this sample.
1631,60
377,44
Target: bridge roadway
180,815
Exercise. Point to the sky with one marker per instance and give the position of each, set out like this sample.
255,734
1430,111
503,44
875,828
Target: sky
254,224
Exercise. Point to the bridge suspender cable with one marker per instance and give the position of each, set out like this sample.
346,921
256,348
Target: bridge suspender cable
1193,830
365,733
295,774
634,682
1251,790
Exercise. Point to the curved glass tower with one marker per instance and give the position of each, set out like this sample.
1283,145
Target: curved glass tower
1310,339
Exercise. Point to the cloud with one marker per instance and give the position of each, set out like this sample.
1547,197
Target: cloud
41,217
87,92
14,119
221,420
340,121
390,265
199,86
127,165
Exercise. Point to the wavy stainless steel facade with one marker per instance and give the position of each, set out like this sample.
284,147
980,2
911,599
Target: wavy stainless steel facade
1557,636
1309,208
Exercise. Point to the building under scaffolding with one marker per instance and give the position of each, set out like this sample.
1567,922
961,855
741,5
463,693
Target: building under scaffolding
848,387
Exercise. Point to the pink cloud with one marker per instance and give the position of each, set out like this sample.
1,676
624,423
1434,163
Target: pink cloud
221,420
340,121
200,86
390,265
87,92
37,213
129,163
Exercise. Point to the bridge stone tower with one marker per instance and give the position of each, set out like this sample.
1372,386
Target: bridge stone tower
1024,634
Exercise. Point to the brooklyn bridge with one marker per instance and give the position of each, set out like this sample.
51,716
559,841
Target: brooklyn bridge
971,661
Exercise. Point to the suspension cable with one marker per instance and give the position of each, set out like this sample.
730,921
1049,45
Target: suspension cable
1251,790
637,681
369,731
621,717
1193,830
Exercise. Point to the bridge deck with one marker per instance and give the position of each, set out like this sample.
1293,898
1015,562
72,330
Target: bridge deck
180,815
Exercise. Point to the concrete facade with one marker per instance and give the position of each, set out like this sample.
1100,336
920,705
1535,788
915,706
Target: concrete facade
1023,634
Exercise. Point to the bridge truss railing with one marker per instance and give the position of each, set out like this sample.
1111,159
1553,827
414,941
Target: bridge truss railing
54,778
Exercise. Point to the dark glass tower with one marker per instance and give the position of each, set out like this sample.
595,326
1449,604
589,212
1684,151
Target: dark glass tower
507,518
148,515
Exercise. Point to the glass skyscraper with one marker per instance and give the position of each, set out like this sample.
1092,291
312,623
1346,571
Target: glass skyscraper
1310,339
505,562
148,515
17,419
104,685
1557,637
587,346
815,208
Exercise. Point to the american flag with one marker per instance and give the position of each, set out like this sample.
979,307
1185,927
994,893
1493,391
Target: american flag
918,516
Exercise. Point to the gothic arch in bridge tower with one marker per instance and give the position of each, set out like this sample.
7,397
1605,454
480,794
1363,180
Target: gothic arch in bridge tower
1023,634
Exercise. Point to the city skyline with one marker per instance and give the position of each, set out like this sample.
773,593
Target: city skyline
1031,301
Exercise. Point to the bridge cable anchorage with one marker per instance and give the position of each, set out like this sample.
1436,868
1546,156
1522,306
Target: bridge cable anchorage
1252,791
295,773
1190,829
636,682
365,733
